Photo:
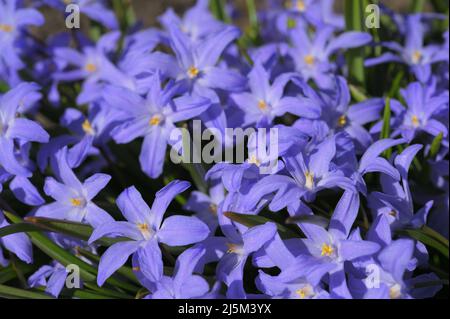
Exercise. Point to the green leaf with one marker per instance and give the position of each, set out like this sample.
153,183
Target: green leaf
47,246
357,94
395,87
355,57
255,220
18,228
386,129
436,145
74,229
421,236
417,5
309,219
16,293
253,32
217,8
9,273
434,234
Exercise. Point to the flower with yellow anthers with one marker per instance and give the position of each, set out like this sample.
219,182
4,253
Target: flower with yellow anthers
6,28
90,67
193,72
415,121
213,209
155,120
395,291
233,248
254,160
327,250
300,5
393,213
342,121
87,127
309,180
305,292
76,202
416,56
309,59
262,105
145,230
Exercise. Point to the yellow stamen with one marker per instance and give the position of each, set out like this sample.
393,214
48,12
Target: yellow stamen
300,5
393,213
6,28
155,120
309,180
254,160
415,121
395,291
193,72
262,105
416,56
145,230
327,250
232,248
90,67
342,121
143,227
213,209
136,268
305,292
87,127
309,59
75,201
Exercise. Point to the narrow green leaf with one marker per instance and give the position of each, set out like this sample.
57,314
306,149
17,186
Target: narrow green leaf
8,273
18,228
309,219
16,293
426,239
255,220
355,57
252,13
357,94
436,145
74,229
47,246
217,8
107,292
394,91
84,294
434,234
417,6
386,129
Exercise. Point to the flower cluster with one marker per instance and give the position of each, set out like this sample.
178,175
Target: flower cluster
356,206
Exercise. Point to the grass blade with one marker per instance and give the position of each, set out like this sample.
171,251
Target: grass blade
16,293
355,57
436,145
255,220
419,235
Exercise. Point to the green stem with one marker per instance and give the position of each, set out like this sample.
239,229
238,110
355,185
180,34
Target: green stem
16,293
417,6
355,57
